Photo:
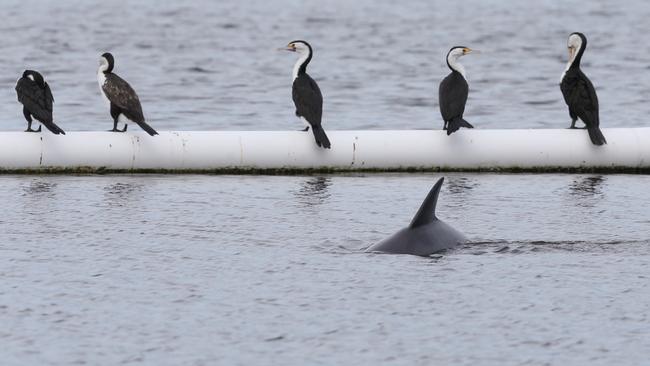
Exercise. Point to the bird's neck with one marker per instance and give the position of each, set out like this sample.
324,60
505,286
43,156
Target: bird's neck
301,65
574,62
104,69
454,65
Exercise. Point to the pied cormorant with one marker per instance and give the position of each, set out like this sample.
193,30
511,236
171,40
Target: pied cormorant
306,93
579,93
122,98
452,94
36,97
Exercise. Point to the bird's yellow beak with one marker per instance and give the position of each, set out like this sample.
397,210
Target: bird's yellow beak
572,51
468,50
290,47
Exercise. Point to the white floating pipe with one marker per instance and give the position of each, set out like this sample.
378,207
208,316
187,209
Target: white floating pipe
196,151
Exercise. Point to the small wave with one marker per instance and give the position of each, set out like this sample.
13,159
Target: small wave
200,70
540,102
527,246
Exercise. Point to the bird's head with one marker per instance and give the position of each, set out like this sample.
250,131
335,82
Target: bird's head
576,42
298,46
459,51
34,76
106,62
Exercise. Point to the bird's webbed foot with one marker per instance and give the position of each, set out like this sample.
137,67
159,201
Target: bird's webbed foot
305,129
115,129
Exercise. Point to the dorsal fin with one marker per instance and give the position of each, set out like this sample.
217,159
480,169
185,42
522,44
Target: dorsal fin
427,212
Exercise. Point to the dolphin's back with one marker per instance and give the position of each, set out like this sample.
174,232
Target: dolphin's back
425,235
423,240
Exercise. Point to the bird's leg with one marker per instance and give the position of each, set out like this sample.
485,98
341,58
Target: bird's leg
28,117
29,127
125,126
573,124
114,126
305,129
115,113
444,126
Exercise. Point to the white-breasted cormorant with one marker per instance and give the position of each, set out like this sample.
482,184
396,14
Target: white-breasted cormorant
453,91
306,93
579,93
120,95
37,100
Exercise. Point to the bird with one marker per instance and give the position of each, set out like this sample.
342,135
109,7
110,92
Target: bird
306,94
578,91
37,100
453,90
120,95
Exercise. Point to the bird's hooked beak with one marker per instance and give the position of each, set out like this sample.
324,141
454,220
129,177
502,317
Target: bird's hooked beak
290,47
572,51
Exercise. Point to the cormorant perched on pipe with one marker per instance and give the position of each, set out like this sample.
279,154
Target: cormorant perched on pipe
579,93
306,93
37,100
120,96
452,94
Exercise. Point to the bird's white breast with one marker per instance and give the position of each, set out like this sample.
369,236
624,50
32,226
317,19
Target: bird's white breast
101,80
296,67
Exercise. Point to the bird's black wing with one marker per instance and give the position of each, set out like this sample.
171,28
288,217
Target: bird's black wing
37,100
580,95
452,96
48,95
308,99
120,93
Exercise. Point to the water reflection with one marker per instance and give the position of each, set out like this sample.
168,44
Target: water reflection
121,194
587,186
587,191
313,191
460,185
39,187
40,199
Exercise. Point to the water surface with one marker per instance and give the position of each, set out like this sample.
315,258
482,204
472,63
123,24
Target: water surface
207,65
240,270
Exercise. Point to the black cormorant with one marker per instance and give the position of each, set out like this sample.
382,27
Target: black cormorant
122,98
579,93
452,94
36,97
306,93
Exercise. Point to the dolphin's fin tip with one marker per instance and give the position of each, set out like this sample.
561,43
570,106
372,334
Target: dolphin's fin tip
427,212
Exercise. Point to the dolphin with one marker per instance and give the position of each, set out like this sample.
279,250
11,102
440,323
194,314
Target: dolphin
425,235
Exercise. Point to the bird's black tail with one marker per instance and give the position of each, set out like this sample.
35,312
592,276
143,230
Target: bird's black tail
596,136
53,128
147,128
457,123
321,137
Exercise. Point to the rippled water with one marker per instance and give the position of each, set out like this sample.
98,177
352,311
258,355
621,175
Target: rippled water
204,270
269,270
207,65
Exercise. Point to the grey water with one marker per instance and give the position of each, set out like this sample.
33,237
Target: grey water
241,270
